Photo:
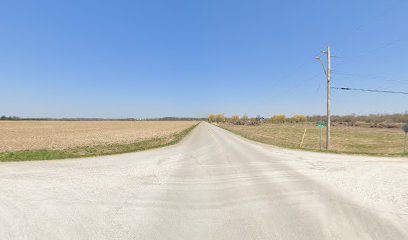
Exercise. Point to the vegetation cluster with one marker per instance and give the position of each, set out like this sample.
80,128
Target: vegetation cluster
372,121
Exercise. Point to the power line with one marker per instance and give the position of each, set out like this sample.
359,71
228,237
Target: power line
374,50
374,77
369,90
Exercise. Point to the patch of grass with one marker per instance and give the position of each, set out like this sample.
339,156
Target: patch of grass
90,151
345,139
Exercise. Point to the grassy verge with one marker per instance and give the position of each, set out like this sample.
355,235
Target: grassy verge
90,151
351,140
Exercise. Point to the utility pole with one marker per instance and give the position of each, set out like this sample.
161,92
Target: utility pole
405,139
327,72
328,97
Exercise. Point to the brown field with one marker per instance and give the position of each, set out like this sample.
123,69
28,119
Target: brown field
348,139
59,135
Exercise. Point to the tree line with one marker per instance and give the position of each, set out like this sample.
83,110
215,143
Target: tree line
372,118
15,118
10,118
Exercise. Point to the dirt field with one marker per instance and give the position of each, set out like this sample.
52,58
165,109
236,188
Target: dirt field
344,138
58,135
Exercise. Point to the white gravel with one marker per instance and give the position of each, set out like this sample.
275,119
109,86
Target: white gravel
213,185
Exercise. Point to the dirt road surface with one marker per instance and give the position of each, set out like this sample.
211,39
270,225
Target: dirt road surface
213,185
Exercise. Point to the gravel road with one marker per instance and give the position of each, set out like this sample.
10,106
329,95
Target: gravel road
213,185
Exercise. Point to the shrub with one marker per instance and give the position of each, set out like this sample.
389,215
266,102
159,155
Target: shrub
235,119
211,118
299,118
278,119
219,118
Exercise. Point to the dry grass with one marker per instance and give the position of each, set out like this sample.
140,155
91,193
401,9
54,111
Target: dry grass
59,135
344,139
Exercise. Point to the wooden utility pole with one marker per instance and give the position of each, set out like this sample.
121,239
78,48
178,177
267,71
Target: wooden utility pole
321,139
303,138
327,72
328,97
405,139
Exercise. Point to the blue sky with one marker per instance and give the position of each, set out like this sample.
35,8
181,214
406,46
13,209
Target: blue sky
191,58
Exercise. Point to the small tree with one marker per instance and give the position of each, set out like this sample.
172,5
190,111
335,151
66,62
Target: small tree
244,118
235,119
219,118
299,118
278,119
211,118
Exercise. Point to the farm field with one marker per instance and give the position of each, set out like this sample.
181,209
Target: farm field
347,139
28,140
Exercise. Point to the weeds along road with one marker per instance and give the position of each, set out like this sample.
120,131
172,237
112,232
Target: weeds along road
213,185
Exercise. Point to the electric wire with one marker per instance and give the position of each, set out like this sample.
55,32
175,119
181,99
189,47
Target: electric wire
369,90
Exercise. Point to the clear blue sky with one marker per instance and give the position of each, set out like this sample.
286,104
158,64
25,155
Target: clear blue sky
191,58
